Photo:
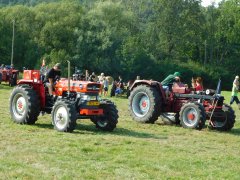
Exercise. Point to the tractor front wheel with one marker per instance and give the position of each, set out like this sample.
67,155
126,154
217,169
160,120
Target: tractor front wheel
223,120
109,120
64,116
192,115
24,105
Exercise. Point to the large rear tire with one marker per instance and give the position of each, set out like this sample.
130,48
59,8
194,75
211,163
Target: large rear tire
223,120
109,120
192,116
24,105
145,104
13,80
0,78
64,116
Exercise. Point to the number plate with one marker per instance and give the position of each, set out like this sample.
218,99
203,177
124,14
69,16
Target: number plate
93,103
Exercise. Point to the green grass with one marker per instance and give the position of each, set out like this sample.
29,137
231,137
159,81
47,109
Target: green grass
131,151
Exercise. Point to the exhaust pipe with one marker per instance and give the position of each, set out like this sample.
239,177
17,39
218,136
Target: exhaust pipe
69,66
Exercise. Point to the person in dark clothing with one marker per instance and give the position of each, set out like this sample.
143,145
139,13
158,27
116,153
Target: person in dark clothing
52,76
114,87
92,77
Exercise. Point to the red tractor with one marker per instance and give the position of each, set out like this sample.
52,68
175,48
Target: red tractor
72,100
190,109
9,75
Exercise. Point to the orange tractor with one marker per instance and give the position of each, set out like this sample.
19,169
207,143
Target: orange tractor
72,100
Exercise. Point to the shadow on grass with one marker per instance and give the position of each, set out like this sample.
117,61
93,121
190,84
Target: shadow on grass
91,129
235,132
118,131
45,126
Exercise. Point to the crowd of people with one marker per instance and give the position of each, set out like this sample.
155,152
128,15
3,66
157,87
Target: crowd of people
6,67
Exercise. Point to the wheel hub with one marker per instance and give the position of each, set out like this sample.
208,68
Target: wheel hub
140,104
191,116
59,117
144,104
19,106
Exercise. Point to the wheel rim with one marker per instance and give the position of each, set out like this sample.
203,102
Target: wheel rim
140,104
190,116
61,117
102,123
219,121
19,106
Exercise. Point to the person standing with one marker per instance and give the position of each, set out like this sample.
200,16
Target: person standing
92,77
235,89
105,86
101,79
43,70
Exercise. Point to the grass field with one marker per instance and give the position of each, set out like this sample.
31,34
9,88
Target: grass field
131,151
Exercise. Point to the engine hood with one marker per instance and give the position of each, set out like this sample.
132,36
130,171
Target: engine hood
77,86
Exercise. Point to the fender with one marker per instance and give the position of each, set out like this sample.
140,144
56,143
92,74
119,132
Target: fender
38,87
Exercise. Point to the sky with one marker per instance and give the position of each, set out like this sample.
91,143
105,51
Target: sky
206,3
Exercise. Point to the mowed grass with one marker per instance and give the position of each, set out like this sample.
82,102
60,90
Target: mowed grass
131,151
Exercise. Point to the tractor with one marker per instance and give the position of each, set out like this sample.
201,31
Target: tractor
9,75
71,100
148,101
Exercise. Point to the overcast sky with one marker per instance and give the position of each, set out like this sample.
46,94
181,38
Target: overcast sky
209,2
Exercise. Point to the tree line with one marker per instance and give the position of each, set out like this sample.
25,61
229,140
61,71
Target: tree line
150,38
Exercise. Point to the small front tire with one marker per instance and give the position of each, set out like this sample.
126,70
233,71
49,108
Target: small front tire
109,120
64,116
225,119
192,116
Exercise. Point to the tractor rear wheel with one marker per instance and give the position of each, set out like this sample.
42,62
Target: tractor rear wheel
0,78
24,105
109,120
145,104
193,116
13,80
224,120
64,116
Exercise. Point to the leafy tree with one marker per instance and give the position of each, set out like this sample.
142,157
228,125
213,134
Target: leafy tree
99,40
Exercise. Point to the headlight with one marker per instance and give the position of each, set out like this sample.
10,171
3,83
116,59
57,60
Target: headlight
86,97
99,98
90,98
207,92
